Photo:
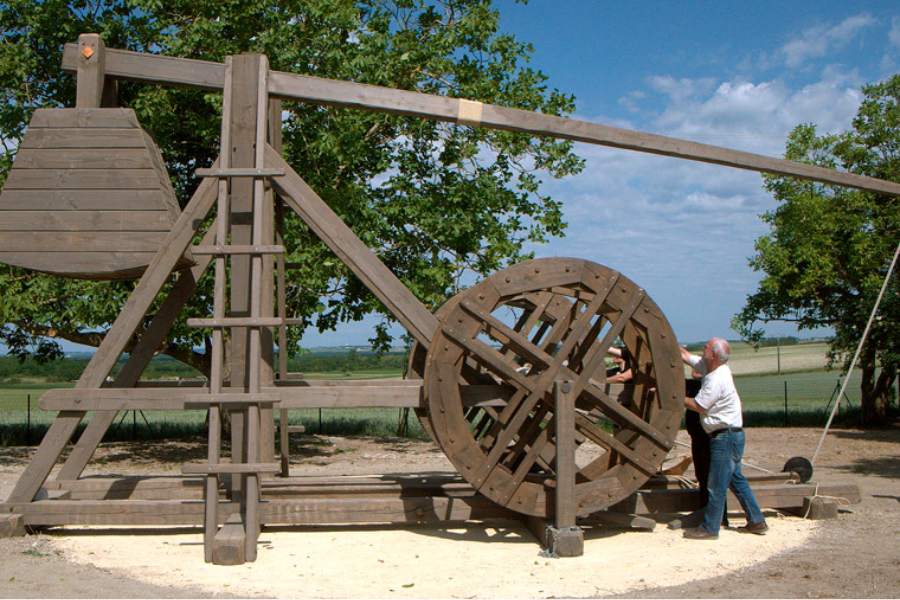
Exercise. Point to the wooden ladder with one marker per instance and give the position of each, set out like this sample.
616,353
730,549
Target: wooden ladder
235,542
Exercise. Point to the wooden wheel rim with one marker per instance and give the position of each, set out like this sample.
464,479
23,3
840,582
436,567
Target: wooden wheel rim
573,310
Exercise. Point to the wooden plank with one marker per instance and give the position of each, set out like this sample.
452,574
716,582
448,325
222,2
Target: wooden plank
83,179
130,488
75,242
80,158
236,322
87,264
229,468
207,75
768,496
353,252
56,438
311,396
84,118
274,512
91,70
201,74
83,199
87,221
80,138
224,249
622,521
252,172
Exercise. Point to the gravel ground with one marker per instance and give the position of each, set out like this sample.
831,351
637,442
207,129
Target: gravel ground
854,556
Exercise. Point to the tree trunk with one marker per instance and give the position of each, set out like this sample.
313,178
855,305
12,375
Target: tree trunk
875,394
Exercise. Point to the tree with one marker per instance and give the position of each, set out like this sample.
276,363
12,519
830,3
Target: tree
434,200
829,249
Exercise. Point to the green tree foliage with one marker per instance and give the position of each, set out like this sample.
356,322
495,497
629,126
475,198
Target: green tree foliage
829,249
437,202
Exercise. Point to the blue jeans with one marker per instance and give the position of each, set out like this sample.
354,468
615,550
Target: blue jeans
727,449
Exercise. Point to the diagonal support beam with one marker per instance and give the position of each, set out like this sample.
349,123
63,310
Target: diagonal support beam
138,360
352,251
65,424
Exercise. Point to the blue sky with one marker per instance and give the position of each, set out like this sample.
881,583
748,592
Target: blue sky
724,73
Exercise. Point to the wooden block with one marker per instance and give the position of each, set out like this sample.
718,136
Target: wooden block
228,545
817,508
569,542
565,542
12,526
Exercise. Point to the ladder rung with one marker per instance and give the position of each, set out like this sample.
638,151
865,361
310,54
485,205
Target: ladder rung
230,468
235,249
245,172
296,429
237,322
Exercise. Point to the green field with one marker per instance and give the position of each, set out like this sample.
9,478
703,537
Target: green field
809,388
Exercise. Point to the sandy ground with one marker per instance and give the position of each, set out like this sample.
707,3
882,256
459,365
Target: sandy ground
857,555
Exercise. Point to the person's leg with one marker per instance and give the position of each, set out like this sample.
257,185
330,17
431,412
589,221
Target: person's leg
740,486
720,471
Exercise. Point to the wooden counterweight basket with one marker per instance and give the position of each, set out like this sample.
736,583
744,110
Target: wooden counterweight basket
87,196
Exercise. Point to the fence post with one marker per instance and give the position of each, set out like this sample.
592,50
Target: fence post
28,424
785,404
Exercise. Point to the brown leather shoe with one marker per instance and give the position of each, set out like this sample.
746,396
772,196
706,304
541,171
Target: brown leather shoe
758,528
698,533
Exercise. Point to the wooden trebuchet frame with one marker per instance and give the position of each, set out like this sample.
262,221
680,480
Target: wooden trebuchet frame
518,409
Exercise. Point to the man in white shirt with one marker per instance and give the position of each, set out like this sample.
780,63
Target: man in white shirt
720,408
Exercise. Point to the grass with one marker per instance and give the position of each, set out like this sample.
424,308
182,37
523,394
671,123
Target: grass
809,389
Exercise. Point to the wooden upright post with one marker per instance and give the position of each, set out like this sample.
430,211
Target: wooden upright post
569,539
91,71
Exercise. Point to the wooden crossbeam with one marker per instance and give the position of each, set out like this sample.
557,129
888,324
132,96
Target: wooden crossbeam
288,86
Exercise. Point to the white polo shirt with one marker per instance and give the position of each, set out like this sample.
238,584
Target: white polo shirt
718,397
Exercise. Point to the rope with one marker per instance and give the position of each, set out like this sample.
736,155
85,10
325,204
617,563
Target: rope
862,341
842,502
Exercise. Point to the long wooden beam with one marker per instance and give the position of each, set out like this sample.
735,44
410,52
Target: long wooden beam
401,395
398,299
209,75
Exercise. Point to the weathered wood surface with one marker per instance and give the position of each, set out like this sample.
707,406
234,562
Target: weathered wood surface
504,452
373,500
229,544
100,211
328,395
769,496
288,86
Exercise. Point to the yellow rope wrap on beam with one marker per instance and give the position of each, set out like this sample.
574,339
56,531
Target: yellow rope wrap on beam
469,112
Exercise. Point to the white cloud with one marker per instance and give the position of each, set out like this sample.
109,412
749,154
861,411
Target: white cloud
819,41
894,34
684,230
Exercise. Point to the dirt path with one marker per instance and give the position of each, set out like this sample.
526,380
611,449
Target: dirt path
857,555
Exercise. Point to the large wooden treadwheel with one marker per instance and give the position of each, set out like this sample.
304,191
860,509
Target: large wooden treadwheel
490,373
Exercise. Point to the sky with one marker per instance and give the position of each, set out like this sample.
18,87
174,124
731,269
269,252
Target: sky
730,74
725,73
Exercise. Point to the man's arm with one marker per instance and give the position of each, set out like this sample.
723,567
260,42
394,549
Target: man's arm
686,356
691,404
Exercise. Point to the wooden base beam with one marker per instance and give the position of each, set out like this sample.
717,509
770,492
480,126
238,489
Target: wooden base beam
12,526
